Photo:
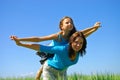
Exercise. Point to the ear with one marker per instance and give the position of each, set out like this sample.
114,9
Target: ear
61,28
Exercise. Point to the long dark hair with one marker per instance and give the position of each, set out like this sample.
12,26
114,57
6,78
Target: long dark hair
82,51
69,35
72,31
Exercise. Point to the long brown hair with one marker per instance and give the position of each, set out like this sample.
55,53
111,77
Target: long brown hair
82,51
61,23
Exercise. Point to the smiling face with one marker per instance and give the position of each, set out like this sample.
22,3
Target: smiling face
77,44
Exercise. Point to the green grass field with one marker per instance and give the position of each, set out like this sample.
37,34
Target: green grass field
77,77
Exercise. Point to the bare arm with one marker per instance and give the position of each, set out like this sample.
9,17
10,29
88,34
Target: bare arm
37,47
38,39
30,46
90,30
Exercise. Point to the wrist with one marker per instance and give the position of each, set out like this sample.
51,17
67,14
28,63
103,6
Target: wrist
18,43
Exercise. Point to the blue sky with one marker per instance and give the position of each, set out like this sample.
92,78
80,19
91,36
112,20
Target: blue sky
26,18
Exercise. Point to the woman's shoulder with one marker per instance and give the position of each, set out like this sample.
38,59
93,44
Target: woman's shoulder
64,46
61,48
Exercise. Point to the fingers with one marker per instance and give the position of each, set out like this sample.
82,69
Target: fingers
98,22
97,25
13,37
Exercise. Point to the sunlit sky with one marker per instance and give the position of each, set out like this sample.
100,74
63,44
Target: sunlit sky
26,18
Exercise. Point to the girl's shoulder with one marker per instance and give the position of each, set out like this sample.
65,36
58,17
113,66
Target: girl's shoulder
60,39
59,36
55,35
59,33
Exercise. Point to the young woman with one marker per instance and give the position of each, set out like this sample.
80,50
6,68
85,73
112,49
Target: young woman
64,55
67,29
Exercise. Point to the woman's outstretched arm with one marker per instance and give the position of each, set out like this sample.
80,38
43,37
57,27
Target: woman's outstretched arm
30,46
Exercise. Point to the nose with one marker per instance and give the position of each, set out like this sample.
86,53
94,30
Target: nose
78,45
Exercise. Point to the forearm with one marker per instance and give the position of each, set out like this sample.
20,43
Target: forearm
39,39
89,32
30,39
30,46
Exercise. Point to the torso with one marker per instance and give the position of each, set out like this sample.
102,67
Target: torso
61,59
64,60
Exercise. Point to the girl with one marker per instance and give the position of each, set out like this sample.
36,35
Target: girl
67,29
64,55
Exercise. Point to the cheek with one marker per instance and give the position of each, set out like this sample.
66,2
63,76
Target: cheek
80,47
61,27
70,27
73,46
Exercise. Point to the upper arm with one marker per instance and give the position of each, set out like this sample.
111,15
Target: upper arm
51,49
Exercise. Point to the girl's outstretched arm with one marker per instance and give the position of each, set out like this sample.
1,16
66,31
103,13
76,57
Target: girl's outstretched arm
39,39
89,31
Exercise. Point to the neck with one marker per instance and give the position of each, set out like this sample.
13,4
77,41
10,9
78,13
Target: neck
73,56
65,34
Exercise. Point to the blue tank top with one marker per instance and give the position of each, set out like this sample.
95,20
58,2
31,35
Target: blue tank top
59,41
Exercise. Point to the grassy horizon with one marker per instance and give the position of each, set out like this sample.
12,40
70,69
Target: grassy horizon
75,76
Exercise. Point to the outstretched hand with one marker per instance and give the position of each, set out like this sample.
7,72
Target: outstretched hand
15,39
97,25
